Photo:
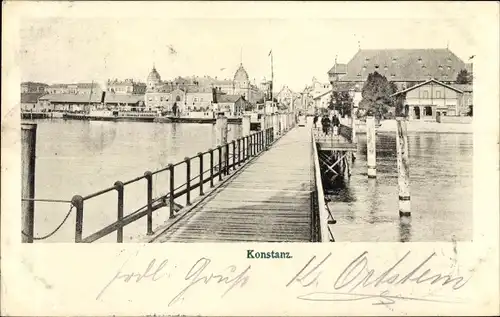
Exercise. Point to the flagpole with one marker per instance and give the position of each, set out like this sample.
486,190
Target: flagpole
272,81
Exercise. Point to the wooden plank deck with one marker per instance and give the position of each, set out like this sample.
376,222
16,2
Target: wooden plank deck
268,201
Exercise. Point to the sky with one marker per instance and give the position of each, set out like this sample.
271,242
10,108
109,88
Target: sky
85,49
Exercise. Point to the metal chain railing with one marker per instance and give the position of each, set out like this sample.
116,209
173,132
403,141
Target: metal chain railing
57,228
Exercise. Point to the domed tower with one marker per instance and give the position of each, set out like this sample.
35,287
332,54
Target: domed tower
154,79
241,82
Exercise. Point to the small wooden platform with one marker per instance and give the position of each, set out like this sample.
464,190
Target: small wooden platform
268,201
333,142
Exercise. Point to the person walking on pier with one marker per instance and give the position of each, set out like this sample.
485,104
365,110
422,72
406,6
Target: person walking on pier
336,124
315,120
325,124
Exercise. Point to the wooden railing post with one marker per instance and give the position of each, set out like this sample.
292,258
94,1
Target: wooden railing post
200,156
211,152
234,155
219,148
188,180
239,152
149,178
119,232
77,201
171,190
226,147
28,157
371,147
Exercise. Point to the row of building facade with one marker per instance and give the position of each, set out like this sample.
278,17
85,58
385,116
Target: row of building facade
187,93
428,77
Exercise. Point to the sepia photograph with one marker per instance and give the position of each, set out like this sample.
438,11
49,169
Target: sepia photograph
249,158
368,140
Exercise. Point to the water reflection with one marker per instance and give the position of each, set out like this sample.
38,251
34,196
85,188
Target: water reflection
441,188
405,229
373,197
98,135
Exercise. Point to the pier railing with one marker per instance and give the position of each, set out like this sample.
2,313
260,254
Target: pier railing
321,215
345,131
231,156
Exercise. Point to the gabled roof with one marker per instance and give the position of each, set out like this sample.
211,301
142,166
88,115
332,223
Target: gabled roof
345,86
72,98
26,83
94,98
338,69
31,97
404,64
228,98
463,87
425,83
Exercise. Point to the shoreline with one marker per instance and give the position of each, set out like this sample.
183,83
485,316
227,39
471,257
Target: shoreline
389,126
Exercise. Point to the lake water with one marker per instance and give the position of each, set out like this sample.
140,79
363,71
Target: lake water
81,157
440,186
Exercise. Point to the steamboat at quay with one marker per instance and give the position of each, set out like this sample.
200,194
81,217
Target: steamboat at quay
139,116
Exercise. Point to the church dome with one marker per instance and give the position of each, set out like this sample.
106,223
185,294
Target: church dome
154,77
241,74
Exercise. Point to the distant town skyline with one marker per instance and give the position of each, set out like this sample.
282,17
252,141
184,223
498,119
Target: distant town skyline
64,50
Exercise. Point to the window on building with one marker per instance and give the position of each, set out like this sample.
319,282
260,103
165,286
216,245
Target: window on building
367,59
419,60
376,66
440,67
425,94
424,67
438,94
385,67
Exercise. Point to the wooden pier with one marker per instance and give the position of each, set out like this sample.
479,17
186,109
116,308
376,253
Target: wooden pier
266,186
269,200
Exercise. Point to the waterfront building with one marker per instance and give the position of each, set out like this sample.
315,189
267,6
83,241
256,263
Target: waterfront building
287,98
76,89
81,102
466,100
404,67
312,91
195,93
29,101
431,99
33,87
243,87
322,99
231,105
126,87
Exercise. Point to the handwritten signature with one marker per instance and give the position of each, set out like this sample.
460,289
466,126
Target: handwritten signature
197,273
357,275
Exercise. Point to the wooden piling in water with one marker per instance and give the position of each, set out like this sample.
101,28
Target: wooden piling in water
28,155
245,125
221,138
403,167
371,147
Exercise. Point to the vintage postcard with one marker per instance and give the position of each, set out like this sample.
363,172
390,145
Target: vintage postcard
249,158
